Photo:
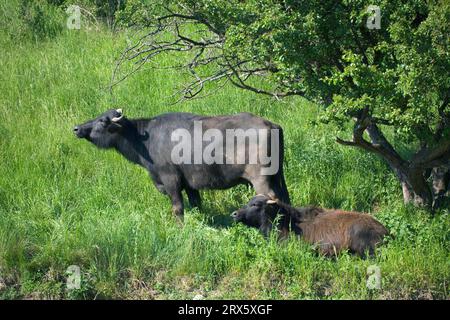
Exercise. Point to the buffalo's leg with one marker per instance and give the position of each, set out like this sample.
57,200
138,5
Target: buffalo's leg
160,188
173,190
177,204
261,184
194,198
278,185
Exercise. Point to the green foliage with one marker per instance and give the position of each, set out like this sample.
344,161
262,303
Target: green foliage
45,19
403,78
137,12
324,51
63,202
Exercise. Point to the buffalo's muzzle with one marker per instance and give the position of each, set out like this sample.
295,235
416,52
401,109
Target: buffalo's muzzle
77,131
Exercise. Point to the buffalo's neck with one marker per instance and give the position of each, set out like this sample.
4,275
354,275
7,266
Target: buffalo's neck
131,143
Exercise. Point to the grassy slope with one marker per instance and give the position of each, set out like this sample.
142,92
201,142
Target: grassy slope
63,202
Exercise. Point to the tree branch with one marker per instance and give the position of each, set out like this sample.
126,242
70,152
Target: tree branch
378,144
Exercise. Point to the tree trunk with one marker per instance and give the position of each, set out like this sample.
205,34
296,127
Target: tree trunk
412,173
440,185
414,185
419,192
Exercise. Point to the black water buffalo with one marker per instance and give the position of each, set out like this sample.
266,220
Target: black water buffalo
151,144
331,230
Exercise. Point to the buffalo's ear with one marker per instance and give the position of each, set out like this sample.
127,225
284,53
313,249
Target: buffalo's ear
114,127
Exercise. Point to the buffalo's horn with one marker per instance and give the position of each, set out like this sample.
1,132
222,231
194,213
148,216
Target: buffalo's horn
116,119
270,201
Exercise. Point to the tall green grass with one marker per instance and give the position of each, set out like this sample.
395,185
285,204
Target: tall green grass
63,202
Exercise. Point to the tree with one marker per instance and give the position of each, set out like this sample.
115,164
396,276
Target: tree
393,80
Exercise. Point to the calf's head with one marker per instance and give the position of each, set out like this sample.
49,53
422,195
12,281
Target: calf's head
259,213
262,211
103,130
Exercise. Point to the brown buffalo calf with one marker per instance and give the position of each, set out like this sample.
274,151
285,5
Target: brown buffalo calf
330,230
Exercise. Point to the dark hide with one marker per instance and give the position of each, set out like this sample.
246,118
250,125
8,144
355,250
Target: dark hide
147,142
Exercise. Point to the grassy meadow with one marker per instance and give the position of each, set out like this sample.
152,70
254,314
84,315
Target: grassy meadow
63,202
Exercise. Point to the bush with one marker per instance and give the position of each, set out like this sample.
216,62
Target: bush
27,19
42,19
45,19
